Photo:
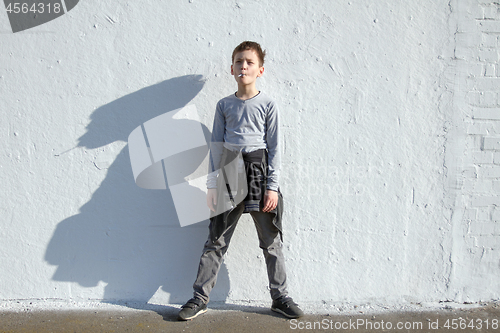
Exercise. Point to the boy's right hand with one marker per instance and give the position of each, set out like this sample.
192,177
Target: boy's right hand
212,198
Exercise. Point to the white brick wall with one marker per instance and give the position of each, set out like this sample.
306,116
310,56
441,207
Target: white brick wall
477,235
391,127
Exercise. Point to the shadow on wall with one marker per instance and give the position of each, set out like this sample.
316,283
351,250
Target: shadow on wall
125,236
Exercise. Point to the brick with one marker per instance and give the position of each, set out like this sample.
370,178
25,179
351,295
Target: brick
468,185
468,26
496,186
494,127
469,39
484,201
469,172
488,99
489,228
482,157
495,215
471,242
472,98
490,70
491,143
471,82
489,171
486,113
466,53
483,228
467,158
483,186
474,229
469,12
487,84
471,213
484,214
490,242
487,26
490,256
490,12
488,55
489,40
475,69
477,129
474,142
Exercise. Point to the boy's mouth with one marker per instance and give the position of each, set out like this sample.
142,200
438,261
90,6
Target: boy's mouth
241,75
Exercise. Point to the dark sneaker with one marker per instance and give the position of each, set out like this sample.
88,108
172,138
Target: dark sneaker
193,308
287,307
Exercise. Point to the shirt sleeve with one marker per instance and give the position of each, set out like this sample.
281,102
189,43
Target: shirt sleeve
273,147
216,146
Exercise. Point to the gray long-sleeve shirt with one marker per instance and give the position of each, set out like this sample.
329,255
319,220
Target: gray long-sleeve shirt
246,125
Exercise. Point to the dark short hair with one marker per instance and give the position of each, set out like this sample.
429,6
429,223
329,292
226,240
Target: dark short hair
248,45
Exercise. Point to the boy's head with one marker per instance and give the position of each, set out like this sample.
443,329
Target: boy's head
247,45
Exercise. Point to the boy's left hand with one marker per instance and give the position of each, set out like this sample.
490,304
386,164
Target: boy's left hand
270,200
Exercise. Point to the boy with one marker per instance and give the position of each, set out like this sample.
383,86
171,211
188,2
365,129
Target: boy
246,126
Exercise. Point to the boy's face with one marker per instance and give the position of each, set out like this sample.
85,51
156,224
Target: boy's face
248,64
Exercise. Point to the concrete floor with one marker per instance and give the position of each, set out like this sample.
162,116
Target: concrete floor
250,319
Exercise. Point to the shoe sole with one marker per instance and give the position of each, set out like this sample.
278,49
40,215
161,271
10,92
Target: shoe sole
196,315
285,314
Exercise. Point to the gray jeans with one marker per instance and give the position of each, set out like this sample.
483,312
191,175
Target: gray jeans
269,242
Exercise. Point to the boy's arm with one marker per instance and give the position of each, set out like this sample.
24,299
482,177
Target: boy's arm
212,198
273,147
216,147
270,200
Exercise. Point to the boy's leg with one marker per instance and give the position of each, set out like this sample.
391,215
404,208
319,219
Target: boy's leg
212,256
270,242
271,245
